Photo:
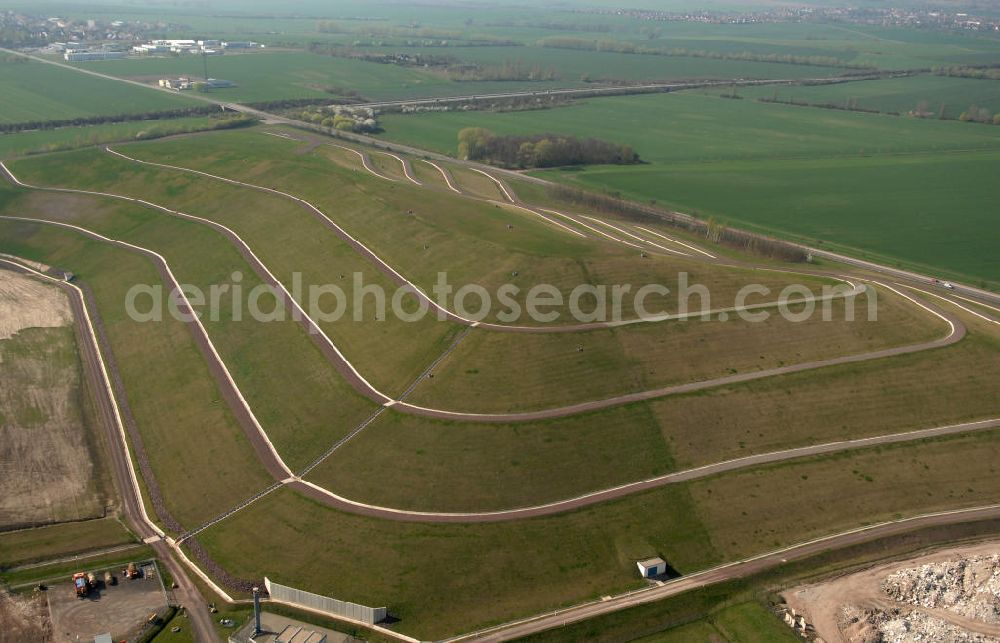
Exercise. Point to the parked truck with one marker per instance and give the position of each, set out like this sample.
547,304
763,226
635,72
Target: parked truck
81,585
131,571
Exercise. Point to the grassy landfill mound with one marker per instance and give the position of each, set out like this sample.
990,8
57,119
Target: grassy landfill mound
432,464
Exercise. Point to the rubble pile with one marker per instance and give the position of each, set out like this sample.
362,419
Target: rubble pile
871,625
967,586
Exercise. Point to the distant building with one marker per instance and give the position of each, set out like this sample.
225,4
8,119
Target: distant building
241,45
75,56
652,567
151,48
176,83
218,83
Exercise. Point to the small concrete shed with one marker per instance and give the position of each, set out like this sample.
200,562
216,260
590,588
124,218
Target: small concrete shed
652,567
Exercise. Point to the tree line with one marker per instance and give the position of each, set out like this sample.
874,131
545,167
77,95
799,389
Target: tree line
627,47
991,72
6,128
540,150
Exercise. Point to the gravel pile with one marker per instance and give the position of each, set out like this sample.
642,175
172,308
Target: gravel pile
868,625
918,626
967,586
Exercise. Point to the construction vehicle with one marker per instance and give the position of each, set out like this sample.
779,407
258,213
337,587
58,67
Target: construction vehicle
91,579
81,585
109,579
131,571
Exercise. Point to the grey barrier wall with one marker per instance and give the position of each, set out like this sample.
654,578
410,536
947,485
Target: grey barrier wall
332,606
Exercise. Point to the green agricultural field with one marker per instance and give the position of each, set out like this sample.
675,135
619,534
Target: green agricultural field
752,623
35,91
265,76
680,127
743,623
936,95
571,67
929,210
900,189
65,138
44,543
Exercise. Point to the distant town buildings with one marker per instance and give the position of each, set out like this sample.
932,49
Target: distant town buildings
75,51
204,47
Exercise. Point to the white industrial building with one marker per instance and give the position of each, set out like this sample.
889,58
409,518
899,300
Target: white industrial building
75,56
242,45
151,48
652,567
